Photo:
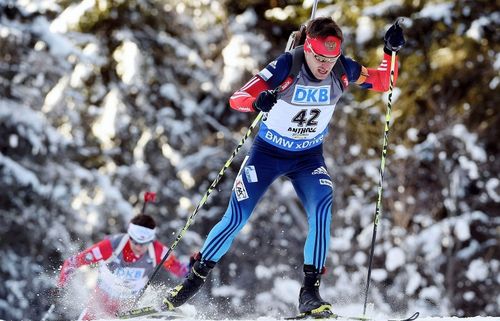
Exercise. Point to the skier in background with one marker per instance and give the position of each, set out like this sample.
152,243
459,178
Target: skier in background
125,262
289,143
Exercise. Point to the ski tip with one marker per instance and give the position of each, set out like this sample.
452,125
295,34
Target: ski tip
413,317
341,317
134,313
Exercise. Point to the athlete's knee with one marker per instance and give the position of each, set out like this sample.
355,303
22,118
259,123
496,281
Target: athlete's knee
326,185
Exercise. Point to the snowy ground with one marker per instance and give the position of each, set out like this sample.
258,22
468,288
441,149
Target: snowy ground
349,310
273,319
75,300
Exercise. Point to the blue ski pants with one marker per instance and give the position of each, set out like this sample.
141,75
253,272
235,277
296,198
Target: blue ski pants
308,174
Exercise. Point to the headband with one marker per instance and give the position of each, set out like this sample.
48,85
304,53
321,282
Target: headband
328,46
141,234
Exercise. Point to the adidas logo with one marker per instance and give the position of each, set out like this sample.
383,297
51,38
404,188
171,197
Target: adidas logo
320,170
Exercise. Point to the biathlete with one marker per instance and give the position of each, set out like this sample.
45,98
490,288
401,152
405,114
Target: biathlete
298,106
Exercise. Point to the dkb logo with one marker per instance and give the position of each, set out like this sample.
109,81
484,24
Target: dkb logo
308,95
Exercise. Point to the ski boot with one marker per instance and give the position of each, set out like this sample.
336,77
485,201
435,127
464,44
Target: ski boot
310,302
191,285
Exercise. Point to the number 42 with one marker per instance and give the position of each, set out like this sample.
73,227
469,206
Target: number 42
302,117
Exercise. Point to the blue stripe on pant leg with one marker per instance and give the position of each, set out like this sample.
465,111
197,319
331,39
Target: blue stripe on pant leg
324,209
317,241
319,219
222,231
230,234
322,237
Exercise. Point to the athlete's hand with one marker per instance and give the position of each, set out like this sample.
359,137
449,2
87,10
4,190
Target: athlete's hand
266,100
67,273
394,38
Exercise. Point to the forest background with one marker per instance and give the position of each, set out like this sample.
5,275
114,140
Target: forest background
102,100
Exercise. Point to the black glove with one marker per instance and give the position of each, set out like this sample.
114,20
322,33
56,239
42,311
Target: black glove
394,38
266,100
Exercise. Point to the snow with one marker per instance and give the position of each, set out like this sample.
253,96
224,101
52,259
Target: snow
476,30
55,95
379,275
414,281
181,50
365,30
58,45
128,59
228,291
395,259
286,290
401,152
240,53
412,134
91,192
13,170
493,189
470,139
462,230
169,91
437,11
430,293
496,64
71,16
478,270
354,311
382,7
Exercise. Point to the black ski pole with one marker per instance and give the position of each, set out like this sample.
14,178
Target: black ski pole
378,205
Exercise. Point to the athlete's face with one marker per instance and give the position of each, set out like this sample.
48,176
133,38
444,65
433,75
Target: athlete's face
320,65
138,248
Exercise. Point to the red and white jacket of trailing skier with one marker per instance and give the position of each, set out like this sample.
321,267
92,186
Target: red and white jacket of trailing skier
123,274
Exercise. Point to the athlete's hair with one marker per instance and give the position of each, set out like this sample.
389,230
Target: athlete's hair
323,27
144,220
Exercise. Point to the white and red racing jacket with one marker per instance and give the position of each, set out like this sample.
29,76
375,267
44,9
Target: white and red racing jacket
121,273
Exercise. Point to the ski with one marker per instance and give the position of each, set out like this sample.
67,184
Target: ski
414,316
330,316
314,316
151,313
